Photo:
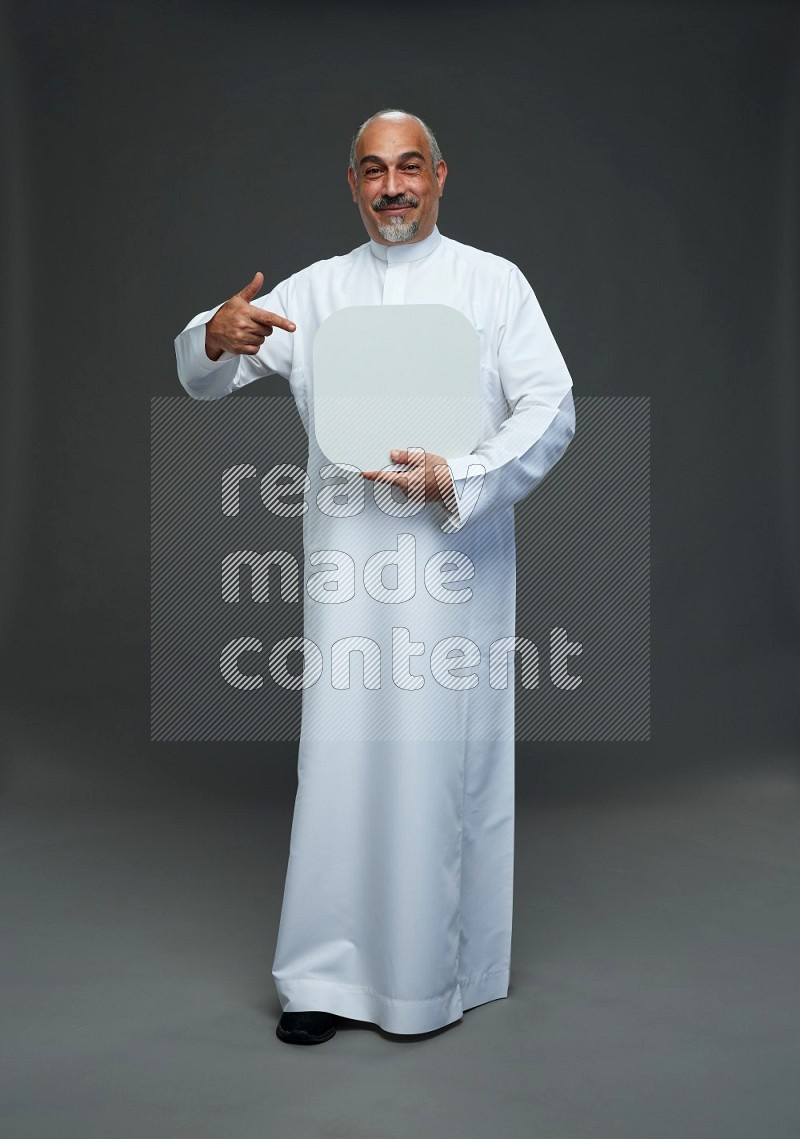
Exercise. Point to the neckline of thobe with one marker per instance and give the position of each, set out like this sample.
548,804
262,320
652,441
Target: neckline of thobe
404,252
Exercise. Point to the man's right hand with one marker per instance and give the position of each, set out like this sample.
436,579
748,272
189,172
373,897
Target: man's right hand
241,327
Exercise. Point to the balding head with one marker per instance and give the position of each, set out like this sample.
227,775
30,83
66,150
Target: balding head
394,113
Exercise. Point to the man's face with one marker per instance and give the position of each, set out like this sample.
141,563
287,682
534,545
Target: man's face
397,191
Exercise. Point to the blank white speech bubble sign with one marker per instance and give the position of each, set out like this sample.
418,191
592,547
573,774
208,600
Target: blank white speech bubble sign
389,376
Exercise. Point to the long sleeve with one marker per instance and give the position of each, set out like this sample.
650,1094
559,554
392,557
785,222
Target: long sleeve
538,389
203,378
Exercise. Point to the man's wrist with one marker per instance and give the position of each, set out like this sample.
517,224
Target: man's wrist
213,349
445,488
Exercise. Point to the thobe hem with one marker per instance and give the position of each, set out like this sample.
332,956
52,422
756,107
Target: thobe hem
405,1017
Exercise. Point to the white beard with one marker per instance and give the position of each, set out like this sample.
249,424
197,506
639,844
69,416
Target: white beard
397,230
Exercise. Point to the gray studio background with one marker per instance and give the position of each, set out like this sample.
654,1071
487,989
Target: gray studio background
639,162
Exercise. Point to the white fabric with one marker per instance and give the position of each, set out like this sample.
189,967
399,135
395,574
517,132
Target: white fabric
397,906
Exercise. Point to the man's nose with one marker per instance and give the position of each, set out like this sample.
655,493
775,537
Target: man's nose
394,183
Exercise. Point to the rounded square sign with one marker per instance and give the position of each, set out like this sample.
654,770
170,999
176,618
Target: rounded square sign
389,376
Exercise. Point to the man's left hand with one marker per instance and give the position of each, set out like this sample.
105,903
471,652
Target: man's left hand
426,474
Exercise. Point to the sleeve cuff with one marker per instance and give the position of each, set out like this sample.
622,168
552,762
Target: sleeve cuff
196,337
459,467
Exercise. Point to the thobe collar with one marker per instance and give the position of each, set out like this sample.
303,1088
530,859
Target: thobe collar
406,251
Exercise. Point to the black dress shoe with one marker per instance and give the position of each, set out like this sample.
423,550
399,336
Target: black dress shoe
306,1027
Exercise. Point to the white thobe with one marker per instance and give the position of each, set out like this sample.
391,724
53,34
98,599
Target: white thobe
397,905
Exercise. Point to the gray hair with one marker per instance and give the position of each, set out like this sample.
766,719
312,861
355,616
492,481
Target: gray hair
436,154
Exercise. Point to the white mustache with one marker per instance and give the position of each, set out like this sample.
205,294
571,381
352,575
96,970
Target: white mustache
387,203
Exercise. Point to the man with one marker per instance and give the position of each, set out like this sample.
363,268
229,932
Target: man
398,898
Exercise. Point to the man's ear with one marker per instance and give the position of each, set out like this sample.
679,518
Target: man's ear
441,174
351,180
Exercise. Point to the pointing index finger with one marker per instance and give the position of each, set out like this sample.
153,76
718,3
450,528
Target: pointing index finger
262,316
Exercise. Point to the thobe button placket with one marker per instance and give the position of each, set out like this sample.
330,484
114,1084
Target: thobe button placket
394,285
